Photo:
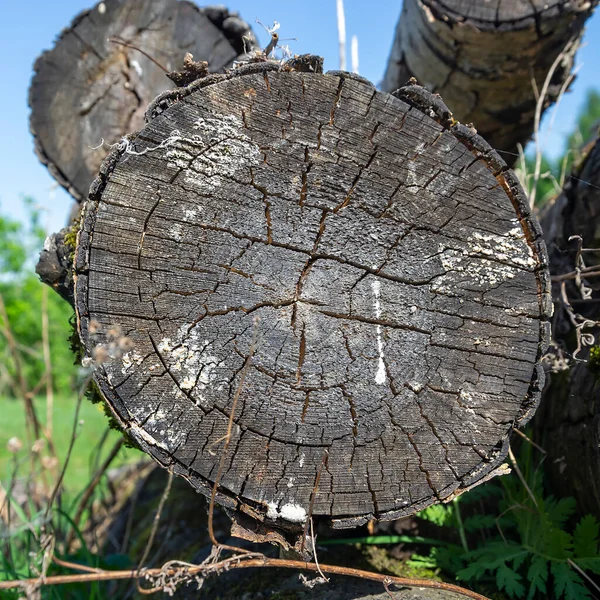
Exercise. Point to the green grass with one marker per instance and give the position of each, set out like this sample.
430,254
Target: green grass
89,432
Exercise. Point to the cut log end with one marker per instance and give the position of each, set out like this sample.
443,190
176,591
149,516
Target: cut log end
489,60
356,279
93,87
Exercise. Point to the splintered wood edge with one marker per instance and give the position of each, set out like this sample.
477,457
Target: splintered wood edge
432,106
54,170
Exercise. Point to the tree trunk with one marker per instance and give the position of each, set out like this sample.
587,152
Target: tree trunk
88,91
349,276
483,55
569,423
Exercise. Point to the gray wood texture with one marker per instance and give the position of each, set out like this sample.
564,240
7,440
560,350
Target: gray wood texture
399,281
88,89
481,56
568,426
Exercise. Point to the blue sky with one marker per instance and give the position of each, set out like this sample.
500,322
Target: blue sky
28,29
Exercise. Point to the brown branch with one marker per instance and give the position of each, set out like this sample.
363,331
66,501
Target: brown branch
239,562
116,40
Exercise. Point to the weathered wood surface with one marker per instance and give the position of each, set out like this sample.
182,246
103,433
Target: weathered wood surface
481,56
88,89
569,423
400,284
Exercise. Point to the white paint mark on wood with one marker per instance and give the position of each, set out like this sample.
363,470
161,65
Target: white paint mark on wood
294,513
137,67
380,377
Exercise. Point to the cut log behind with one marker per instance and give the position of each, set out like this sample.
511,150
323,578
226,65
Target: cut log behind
569,424
88,89
374,266
482,57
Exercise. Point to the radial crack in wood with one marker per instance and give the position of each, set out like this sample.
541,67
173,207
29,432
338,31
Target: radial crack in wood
400,286
97,81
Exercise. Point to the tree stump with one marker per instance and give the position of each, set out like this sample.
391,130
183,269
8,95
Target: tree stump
481,56
89,89
362,271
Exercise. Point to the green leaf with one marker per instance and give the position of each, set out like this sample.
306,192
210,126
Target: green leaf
557,544
589,564
476,570
438,514
537,575
510,581
567,584
558,511
585,538
477,522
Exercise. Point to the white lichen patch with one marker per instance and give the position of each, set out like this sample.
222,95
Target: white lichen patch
219,148
499,258
380,376
188,359
130,360
293,513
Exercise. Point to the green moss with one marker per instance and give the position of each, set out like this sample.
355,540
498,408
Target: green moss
380,559
71,237
95,396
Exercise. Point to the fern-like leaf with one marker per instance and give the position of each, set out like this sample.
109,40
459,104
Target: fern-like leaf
475,523
558,511
438,514
537,576
510,581
557,544
585,538
567,584
589,564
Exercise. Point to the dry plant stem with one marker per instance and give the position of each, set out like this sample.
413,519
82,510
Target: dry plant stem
588,579
89,490
515,465
588,272
272,44
312,502
386,585
314,545
159,510
121,42
47,363
240,562
538,116
211,507
71,444
32,419
529,440
341,23
75,566
144,478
